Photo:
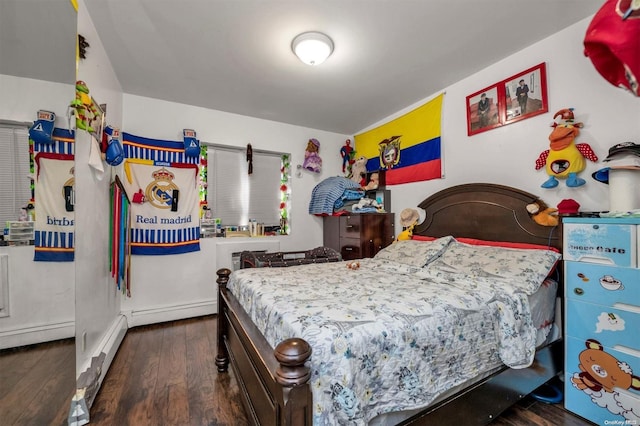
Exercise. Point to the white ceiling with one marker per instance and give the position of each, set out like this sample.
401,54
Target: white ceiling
235,55
37,39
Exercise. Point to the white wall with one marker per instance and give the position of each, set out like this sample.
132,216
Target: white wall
41,294
179,286
23,97
41,299
507,155
167,288
97,298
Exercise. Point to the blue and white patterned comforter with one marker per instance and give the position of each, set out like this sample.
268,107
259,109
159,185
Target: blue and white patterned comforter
388,336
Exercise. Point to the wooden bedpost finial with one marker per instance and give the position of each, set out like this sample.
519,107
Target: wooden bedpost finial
292,355
222,359
223,277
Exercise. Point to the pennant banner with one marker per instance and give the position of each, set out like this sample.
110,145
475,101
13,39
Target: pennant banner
54,196
156,150
162,184
408,148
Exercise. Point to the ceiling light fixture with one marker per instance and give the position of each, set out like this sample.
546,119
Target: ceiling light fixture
312,48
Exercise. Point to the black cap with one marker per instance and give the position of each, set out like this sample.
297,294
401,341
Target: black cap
623,148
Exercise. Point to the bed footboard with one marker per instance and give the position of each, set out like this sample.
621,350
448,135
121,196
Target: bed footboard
273,382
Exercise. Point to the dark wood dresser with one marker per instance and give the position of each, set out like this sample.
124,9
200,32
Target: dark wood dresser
359,235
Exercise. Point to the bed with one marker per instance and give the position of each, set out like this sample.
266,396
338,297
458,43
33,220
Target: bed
284,379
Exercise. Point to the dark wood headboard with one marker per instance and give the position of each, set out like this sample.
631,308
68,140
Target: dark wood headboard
485,211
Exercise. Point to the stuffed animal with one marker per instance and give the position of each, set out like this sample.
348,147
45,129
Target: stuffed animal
354,264
368,204
407,234
408,219
542,214
86,110
565,159
374,181
359,171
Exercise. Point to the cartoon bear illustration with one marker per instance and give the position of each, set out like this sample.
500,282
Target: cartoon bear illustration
602,376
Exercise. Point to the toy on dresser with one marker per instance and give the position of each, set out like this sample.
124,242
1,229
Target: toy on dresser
602,318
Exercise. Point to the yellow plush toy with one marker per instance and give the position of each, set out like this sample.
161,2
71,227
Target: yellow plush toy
565,159
407,234
408,219
543,215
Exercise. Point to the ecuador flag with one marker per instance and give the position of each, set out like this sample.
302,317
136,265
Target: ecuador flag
407,148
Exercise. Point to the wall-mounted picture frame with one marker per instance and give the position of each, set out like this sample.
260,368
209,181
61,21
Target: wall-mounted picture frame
520,96
483,110
99,121
524,95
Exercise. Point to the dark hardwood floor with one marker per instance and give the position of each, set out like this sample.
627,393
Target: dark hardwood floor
165,374
37,383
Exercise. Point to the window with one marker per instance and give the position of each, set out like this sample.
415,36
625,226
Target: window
15,179
236,197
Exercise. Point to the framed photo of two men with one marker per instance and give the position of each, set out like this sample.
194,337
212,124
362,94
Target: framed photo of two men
516,98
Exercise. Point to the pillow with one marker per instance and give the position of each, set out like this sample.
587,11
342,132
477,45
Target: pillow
414,253
423,238
475,241
526,269
508,244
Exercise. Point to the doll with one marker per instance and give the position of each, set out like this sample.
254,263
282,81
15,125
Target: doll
312,160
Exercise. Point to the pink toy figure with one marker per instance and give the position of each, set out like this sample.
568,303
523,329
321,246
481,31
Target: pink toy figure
312,160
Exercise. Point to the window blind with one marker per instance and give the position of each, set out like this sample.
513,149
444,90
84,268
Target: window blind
15,183
237,197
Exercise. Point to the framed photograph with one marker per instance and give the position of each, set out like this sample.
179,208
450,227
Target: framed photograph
99,121
524,95
483,110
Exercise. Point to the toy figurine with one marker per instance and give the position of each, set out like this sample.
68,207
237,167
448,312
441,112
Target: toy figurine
565,159
85,108
347,154
312,160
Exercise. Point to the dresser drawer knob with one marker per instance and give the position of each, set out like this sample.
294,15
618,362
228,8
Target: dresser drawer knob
578,291
596,226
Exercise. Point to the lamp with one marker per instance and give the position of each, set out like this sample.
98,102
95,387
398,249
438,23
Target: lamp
312,48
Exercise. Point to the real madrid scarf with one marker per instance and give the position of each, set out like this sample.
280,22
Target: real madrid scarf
54,196
162,184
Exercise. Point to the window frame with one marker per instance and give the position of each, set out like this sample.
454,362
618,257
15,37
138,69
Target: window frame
279,214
